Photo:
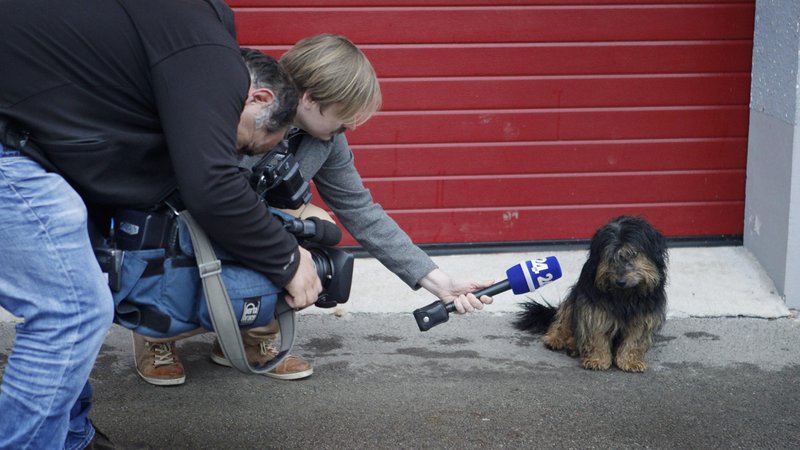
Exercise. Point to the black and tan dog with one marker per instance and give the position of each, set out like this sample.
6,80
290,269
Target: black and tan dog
617,305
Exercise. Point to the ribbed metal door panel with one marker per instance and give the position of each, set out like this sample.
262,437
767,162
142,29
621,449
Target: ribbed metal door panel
531,120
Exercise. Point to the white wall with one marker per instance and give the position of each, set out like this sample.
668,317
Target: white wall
772,198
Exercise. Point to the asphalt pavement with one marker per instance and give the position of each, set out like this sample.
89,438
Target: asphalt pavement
723,374
471,383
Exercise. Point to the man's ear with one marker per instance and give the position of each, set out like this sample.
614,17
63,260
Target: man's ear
261,95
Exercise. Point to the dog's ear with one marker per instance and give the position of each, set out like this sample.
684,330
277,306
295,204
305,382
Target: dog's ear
655,245
605,238
586,284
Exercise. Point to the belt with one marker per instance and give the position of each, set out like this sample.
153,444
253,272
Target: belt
15,142
12,138
142,230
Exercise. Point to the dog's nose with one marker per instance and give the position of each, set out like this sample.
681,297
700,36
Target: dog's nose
621,283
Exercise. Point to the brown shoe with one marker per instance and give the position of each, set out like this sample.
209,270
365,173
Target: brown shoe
291,368
157,363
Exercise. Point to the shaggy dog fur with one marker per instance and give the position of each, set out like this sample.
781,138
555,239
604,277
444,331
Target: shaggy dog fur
617,305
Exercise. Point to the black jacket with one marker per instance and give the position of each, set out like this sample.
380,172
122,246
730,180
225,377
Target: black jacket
129,99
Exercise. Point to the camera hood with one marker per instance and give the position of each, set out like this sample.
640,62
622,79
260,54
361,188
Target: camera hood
335,269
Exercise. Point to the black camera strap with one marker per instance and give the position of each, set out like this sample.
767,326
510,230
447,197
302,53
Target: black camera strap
293,140
221,312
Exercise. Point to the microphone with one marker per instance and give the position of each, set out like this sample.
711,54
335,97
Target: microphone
314,229
522,278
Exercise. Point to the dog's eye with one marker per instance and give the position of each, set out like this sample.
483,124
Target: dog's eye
628,256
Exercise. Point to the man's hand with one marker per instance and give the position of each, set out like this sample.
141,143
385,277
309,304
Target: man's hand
440,284
305,287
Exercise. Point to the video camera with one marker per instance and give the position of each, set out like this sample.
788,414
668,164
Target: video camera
276,178
334,266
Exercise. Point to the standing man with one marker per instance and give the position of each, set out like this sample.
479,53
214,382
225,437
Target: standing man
115,103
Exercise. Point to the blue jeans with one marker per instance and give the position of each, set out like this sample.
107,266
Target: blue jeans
50,278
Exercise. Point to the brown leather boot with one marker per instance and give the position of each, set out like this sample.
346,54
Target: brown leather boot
291,368
157,362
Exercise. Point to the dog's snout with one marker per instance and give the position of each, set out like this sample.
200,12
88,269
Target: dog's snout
621,283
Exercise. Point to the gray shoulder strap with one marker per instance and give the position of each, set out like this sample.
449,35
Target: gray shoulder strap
219,306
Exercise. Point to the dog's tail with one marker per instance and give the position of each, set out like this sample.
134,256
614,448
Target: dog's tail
535,317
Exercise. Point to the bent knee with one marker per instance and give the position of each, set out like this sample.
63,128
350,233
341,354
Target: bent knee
309,210
102,310
96,310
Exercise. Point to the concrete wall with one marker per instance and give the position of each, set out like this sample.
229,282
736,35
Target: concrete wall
772,209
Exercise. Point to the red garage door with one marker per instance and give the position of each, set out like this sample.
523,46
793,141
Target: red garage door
533,120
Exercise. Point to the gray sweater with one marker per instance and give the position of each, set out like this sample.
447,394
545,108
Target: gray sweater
330,165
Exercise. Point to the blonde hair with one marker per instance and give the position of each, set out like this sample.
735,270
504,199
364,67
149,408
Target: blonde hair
332,70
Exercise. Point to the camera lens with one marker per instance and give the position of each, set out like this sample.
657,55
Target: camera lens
323,265
335,271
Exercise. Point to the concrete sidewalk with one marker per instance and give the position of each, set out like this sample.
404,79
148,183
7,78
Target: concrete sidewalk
703,282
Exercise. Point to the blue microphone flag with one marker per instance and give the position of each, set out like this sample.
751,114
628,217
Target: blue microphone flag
528,276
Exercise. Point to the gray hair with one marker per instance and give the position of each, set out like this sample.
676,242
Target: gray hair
266,72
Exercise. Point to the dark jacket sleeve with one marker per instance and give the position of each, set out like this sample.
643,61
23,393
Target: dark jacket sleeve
200,94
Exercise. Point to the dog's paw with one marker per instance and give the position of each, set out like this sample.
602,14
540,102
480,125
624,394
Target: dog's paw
632,365
596,363
553,343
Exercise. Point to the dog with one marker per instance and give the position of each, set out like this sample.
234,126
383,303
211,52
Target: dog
618,303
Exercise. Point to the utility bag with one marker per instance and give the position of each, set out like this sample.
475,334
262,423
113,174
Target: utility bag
162,296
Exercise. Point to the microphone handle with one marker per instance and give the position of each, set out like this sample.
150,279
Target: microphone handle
494,289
